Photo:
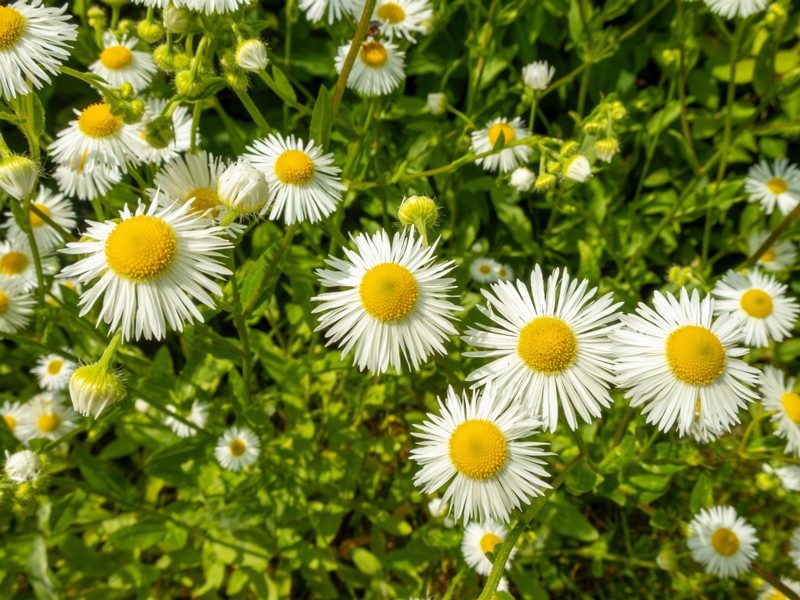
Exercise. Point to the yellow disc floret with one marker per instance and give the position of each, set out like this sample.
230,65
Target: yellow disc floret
756,303
791,406
237,447
695,355
4,303
116,57
391,12
485,269
13,263
294,167
97,121
204,199
725,542
767,257
141,248
498,129
54,367
10,421
489,542
777,185
36,220
374,54
478,449
547,345
48,422
388,292
12,25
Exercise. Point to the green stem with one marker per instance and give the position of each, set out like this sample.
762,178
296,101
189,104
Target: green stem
451,589
66,235
576,435
687,132
198,109
111,351
88,78
287,100
255,298
355,47
37,260
259,119
773,237
532,118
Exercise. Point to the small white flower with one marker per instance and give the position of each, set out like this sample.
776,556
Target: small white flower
243,188
54,206
93,388
46,417
16,305
251,55
480,538
23,466
378,70
779,257
789,477
522,179
53,372
437,104
723,542
780,397
17,264
12,413
198,415
119,63
736,8
237,448
18,175
578,168
77,183
484,270
403,18
336,9
504,273
779,184
507,159
538,75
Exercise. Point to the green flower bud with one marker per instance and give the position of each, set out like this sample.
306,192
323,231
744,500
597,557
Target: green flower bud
187,84
150,31
126,28
18,175
126,91
177,19
237,80
553,167
93,388
251,55
544,182
159,132
133,111
606,148
569,149
595,127
164,58
418,211
618,111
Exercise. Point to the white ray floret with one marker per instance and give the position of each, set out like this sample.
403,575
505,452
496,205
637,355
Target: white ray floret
77,183
215,6
759,303
53,371
770,593
794,552
12,413
676,358
507,159
16,305
237,448
475,449
480,538
378,70
23,466
46,416
549,346
54,206
197,415
119,63
17,263
538,75
394,307
192,177
778,184
736,8
149,268
181,129
723,542
779,257
335,9
779,396
402,18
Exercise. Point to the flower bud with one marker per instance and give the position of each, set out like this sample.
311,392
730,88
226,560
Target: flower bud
553,167
570,149
606,148
522,179
159,132
18,176
93,388
97,17
538,75
237,81
133,111
177,19
186,83
126,28
23,466
544,182
618,111
150,31
164,58
421,212
243,188
578,168
437,104
251,55
595,127
126,91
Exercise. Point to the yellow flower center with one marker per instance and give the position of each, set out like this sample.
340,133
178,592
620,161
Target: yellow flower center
97,121
10,421
756,303
777,185
13,263
237,447
36,220
485,269
373,54
725,542
776,595
478,449
116,57
388,292
488,542
141,248
204,199
498,129
294,167
3,303
12,24
48,422
695,355
391,12
547,345
54,368
501,272
791,406
768,256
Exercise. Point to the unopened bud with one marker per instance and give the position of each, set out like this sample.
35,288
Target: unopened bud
177,19
421,212
578,168
133,111
150,31
251,55
243,188
618,111
569,149
606,148
93,388
159,132
23,466
595,127
18,175
126,28
437,104
544,182
186,83
237,81
522,179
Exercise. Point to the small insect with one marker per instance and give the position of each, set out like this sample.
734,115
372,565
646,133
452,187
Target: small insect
374,28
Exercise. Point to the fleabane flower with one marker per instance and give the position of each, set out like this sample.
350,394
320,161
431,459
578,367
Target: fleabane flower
549,346
475,449
214,6
770,593
778,184
53,371
378,70
335,9
522,179
34,42
437,103
759,303
18,175
779,257
16,305
304,184
119,63
402,18
736,8
578,168
394,307
97,139
779,396
17,263
504,272
683,365
192,177
46,417
93,388
77,183
480,538
484,270
12,413
723,542
538,75
197,415
149,267
237,448
507,159
54,206
23,466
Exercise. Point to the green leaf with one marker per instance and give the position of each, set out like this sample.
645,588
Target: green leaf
322,118
581,480
702,493
102,476
284,87
569,522
366,561
62,513
40,577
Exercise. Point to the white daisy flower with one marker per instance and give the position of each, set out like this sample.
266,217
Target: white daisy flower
53,372
549,346
677,355
98,139
55,206
23,466
378,70
18,176
770,593
402,18
474,448
723,542
46,416
504,273
215,6
789,477
795,547
779,257
198,415
195,177
237,448
578,168
34,41
780,397
181,128
778,184
736,8
335,9
538,75
77,183
394,305
484,270
303,183
12,413
148,268
119,63
522,179
16,305
759,303
480,538
508,159
17,264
